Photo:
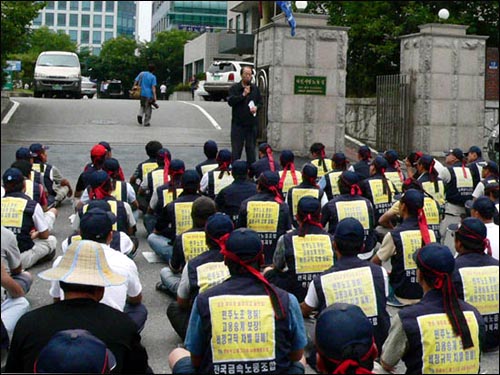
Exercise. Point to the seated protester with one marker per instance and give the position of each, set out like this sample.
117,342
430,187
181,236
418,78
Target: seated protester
378,188
411,164
96,225
329,182
215,180
34,190
109,155
344,341
294,263
489,173
429,178
400,243
288,176
309,187
201,272
156,177
350,203
143,168
97,156
475,270
491,190
275,316
266,162
484,209
475,163
319,159
266,213
210,150
371,280
122,190
25,218
165,193
120,241
393,172
175,217
229,198
83,274
461,327
187,246
362,167
75,351
24,153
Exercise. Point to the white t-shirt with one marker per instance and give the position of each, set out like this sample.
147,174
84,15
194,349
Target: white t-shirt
126,244
493,237
128,209
131,196
163,89
114,296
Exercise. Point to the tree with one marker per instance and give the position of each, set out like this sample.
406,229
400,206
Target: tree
117,60
375,28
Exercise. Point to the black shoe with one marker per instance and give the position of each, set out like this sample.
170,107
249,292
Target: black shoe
146,124
139,119
163,288
48,257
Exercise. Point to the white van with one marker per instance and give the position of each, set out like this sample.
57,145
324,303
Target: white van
57,73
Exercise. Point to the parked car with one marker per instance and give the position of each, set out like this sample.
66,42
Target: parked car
89,88
221,75
113,89
493,145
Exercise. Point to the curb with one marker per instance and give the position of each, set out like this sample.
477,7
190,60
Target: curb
6,105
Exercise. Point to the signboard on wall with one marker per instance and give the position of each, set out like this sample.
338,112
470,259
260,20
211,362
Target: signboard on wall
309,85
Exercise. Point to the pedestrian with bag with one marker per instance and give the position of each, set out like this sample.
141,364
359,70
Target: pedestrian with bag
145,83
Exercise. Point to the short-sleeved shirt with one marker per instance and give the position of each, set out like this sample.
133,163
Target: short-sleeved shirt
148,80
11,256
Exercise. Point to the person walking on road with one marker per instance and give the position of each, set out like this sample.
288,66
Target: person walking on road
244,98
147,81
163,91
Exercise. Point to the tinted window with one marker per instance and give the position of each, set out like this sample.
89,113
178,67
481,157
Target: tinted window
58,60
222,68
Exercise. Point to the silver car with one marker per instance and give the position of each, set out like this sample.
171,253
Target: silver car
89,88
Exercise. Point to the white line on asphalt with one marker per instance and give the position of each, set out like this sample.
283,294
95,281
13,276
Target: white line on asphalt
10,113
207,115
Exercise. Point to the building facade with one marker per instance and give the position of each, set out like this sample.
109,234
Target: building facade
90,23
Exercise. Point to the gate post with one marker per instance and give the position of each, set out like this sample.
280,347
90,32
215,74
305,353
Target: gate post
447,69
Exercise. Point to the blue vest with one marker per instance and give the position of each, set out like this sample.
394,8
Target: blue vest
45,170
458,192
165,196
296,192
381,202
229,199
332,183
187,246
17,216
206,166
476,170
211,269
155,178
33,190
216,184
260,166
120,192
443,348
237,315
167,222
435,189
476,281
392,175
117,208
362,168
356,206
361,283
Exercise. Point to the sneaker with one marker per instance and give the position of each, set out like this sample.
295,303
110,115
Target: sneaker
393,301
163,288
146,124
139,119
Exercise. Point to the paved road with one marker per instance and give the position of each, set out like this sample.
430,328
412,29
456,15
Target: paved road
72,127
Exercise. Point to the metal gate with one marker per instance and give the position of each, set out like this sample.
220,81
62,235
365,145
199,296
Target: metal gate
394,124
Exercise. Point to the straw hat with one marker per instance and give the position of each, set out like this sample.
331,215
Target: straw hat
83,263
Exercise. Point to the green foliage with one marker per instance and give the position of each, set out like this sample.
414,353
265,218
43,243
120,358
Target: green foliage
375,28
117,60
182,87
45,39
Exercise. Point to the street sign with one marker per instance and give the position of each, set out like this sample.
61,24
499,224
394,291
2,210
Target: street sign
13,65
309,85
8,85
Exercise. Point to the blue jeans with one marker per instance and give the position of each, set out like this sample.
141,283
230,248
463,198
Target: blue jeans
169,279
149,222
161,246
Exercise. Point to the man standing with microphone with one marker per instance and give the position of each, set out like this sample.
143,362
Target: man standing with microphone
244,98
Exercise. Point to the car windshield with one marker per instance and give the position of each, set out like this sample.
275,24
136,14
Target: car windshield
221,68
59,60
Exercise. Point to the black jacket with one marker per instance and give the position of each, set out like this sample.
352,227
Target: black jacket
241,114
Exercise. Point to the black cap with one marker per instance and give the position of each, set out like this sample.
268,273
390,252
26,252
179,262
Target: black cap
458,153
244,242
310,170
240,168
12,175
190,179
96,224
210,149
106,145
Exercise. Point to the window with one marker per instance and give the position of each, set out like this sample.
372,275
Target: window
96,37
110,20
198,66
84,38
73,5
97,6
38,20
96,51
238,23
230,24
85,22
61,19
61,5
108,35
85,5
97,20
50,5
73,19
110,6
73,34
49,19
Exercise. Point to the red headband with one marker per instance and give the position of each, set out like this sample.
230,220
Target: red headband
287,166
269,153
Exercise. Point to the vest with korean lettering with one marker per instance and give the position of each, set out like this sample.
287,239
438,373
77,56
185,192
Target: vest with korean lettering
476,169
115,242
46,171
393,175
241,329
146,167
288,182
429,187
155,179
441,351
460,188
118,209
216,183
373,189
476,281
17,215
37,177
332,183
407,239
205,271
295,193
33,190
361,283
176,216
187,246
120,192
165,196
321,168
357,207
309,255
229,199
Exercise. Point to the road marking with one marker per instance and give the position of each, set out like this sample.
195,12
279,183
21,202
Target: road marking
207,115
9,114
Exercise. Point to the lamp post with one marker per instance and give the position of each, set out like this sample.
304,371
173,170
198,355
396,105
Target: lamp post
301,5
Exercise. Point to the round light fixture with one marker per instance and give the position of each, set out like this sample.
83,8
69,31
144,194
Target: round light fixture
443,14
301,5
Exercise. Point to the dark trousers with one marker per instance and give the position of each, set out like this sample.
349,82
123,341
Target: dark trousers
138,313
179,318
246,135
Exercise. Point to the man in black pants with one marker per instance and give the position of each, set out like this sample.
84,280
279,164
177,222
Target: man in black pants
244,98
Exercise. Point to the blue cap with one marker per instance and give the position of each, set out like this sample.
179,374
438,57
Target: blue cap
190,179
309,205
263,147
97,178
339,158
349,178
74,351
224,155
473,229
485,207
218,225
391,156
286,157
99,203
111,165
434,257
162,152
491,166
458,153
365,152
210,149
96,224
244,242
426,161
24,153
240,168
37,148
12,175
106,145
380,162
349,229
343,331
413,198
269,178
475,149
176,165
310,170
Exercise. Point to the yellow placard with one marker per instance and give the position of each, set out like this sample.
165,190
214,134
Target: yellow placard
313,253
114,209
211,274
263,216
117,193
12,211
462,180
299,193
37,167
412,241
288,183
353,286
29,188
208,167
377,188
157,177
431,211
395,179
355,209
220,184
443,352
168,196
321,172
148,168
334,182
183,220
193,244
481,288
242,328
438,195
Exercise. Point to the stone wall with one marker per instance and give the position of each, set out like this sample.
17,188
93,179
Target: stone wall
361,119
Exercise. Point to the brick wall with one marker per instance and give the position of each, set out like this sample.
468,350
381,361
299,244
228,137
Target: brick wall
491,75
